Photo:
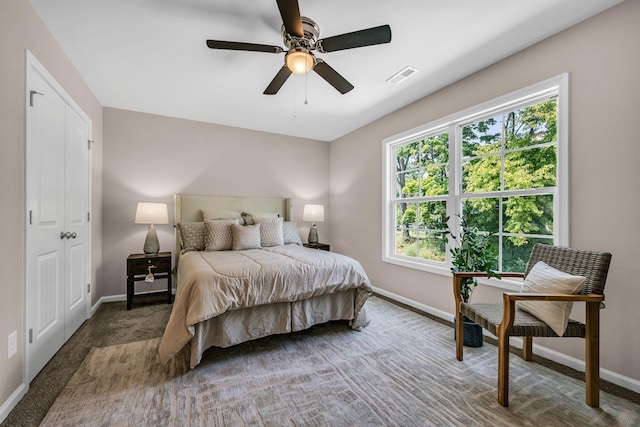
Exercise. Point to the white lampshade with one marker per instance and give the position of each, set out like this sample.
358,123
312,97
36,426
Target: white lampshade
313,213
152,213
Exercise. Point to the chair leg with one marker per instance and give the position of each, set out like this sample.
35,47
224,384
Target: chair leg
503,368
459,336
527,348
592,356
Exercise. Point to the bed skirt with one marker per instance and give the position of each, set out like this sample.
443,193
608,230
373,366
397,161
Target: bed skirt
237,326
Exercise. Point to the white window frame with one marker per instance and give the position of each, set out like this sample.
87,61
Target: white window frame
556,86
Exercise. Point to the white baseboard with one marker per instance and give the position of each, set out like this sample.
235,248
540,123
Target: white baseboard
121,297
12,401
553,355
110,298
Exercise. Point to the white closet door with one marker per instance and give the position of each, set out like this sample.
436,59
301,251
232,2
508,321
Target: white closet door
76,222
58,230
45,249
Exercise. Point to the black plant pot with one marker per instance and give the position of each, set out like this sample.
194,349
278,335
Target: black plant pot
471,334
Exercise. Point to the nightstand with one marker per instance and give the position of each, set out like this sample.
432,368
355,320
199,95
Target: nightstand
139,265
320,246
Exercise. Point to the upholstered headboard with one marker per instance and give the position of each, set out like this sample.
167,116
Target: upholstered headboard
188,208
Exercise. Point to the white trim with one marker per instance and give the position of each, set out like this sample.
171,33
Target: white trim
452,124
12,401
121,297
550,354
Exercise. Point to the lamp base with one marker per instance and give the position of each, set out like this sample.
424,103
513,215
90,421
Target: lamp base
151,243
313,234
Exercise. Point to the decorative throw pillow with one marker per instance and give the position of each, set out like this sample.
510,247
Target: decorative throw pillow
247,218
290,233
245,237
270,231
545,279
191,236
217,236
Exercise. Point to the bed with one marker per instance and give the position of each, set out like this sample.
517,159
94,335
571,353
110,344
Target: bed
231,289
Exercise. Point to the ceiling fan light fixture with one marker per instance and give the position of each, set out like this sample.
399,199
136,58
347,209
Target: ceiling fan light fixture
300,61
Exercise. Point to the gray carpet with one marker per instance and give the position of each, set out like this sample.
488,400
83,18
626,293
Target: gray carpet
401,370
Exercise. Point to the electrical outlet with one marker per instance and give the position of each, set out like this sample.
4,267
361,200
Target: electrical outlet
12,344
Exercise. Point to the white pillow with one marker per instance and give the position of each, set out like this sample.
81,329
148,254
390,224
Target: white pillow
270,231
290,233
545,279
217,234
245,237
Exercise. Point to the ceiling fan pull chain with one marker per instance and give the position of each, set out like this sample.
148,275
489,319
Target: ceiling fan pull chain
306,77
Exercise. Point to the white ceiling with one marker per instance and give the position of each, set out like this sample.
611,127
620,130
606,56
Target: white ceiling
151,56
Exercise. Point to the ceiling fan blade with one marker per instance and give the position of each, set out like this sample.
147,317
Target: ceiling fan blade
332,77
278,81
251,47
368,37
290,12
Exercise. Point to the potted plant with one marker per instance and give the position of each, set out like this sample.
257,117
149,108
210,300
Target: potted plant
471,251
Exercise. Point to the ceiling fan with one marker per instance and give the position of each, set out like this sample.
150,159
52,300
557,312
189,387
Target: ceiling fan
300,36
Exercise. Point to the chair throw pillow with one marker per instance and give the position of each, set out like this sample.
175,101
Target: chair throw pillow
545,279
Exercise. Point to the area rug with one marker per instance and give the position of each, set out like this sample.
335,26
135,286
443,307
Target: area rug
399,371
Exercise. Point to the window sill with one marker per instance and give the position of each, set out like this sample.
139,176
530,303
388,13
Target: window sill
511,284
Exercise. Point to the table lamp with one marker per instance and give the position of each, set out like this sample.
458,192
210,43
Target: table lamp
313,213
152,213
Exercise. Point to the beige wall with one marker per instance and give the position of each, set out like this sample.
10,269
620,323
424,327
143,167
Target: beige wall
20,29
151,158
602,56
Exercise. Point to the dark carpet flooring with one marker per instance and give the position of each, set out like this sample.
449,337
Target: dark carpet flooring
111,324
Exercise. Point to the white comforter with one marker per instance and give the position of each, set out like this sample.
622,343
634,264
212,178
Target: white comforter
211,283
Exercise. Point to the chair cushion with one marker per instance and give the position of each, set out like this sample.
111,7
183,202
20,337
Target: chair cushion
489,316
545,279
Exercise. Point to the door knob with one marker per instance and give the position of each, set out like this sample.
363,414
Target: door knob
74,235
68,235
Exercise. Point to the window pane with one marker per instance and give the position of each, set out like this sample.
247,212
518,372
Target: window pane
531,125
482,213
435,149
481,175
515,255
533,168
406,214
481,137
407,156
528,215
431,246
435,180
433,215
405,229
409,184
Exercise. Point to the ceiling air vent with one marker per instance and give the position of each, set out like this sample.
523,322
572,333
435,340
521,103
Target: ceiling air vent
402,75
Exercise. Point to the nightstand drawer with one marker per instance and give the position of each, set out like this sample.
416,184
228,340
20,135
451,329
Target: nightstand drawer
142,266
139,264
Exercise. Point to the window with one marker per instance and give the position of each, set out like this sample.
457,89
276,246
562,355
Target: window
502,166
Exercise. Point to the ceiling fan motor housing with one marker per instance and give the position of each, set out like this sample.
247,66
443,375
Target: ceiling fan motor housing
311,32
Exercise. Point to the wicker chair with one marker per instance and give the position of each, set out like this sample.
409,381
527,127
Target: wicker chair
505,320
